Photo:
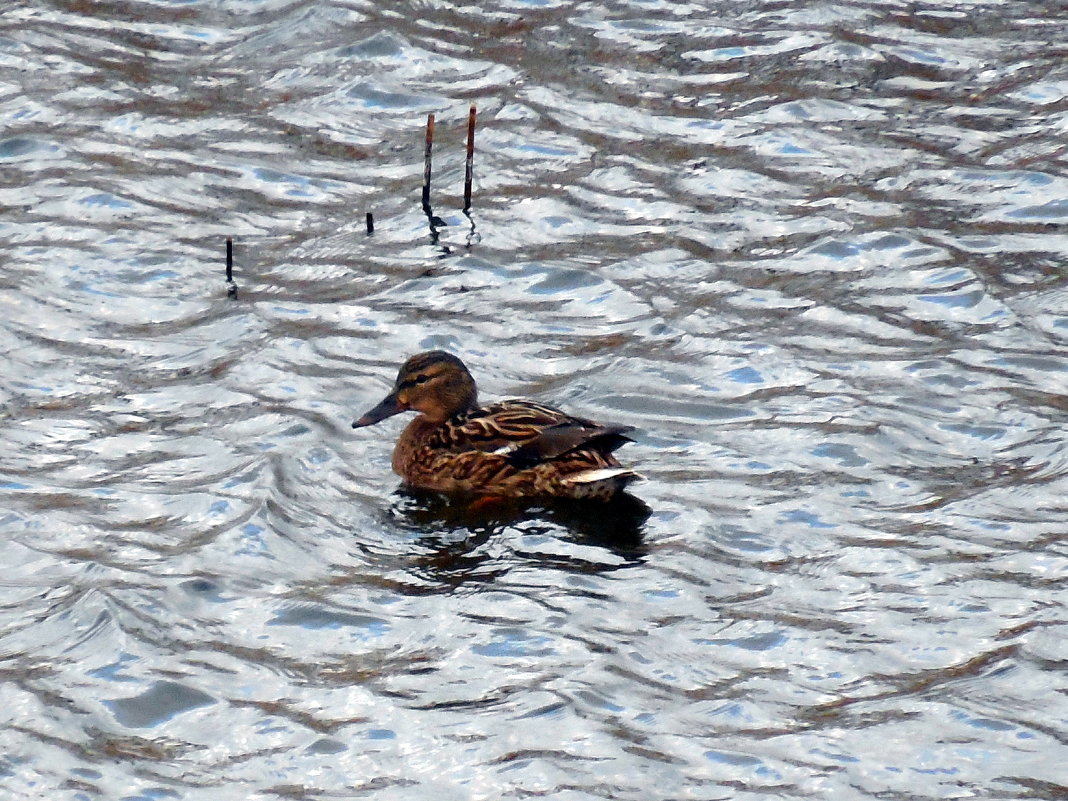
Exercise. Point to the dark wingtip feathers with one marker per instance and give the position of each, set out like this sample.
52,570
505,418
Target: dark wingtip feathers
561,439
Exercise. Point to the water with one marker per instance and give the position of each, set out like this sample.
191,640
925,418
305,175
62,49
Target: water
815,252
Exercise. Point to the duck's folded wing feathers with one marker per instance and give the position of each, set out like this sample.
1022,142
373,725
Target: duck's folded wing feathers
498,425
563,438
528,433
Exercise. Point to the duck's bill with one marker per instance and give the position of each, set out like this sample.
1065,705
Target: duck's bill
387,408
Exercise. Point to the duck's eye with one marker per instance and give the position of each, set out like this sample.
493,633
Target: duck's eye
419,379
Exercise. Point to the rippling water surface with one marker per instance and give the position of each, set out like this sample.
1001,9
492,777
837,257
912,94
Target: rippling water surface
815,252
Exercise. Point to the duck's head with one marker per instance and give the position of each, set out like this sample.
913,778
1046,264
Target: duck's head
435,383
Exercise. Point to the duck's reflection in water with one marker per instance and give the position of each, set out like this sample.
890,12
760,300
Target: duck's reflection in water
456,541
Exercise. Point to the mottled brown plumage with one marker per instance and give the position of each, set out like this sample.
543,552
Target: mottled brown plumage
511,449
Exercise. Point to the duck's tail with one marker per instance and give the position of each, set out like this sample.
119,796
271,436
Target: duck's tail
600,482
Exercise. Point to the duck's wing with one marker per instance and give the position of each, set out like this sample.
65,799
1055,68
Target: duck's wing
498,425
564,438
527,433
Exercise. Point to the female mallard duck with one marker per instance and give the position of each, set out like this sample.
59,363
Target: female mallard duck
510,449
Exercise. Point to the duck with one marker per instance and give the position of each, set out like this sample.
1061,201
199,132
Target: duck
510,449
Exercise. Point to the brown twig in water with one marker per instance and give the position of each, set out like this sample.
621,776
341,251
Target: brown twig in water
426,162
231,287
469,169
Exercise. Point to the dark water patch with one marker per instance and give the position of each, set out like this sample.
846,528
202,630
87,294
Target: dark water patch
163,701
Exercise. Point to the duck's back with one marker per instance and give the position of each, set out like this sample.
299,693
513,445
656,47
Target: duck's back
514,448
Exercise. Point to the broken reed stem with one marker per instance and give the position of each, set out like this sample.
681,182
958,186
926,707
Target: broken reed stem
469,167
231,287
426,161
